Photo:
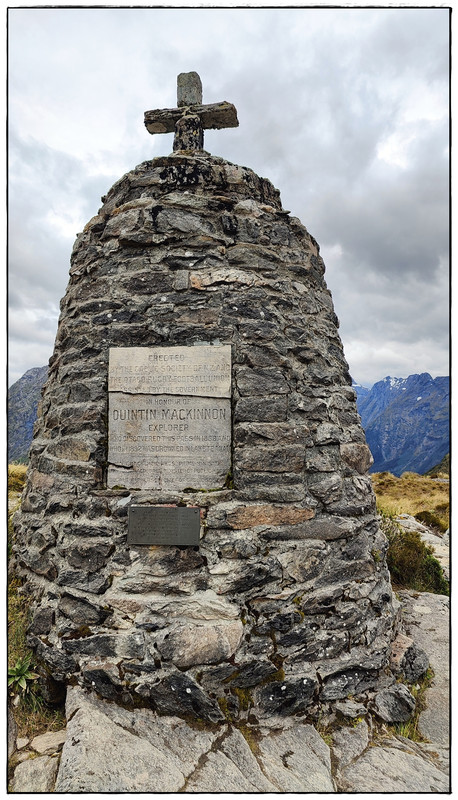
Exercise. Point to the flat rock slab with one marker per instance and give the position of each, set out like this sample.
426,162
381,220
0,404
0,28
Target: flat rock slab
297,760
395,766
110,749
426,621
100,756
35,775
49,743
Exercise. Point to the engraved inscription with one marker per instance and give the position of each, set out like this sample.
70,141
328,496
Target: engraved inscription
165,439
198,371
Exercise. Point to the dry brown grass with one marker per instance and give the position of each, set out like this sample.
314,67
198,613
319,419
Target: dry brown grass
418,495
16,477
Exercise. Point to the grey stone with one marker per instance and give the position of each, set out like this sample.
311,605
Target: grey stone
414,664
22,741
181,743
357,455
103,678
349,743
348,682
217,771
43,620
273,409
81,611
350,709
11,732
394,704
35,775
296,760
99,756
261,382
126,645
86,582
208,643
392,769
251,674
426,621
287,696
179,695
189,89
240,750
48,743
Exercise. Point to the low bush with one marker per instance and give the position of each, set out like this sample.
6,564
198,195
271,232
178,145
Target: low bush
411,562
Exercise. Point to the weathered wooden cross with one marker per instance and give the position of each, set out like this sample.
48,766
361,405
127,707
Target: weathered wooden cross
191,117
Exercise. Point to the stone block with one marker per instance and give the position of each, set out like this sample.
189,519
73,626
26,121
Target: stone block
71,450
42,622
259,382
322,528
250,516
88,555
287,696
81,611
357,456
255,433
48,743
35,775
189,645
272,459
272,409
178,694
394,704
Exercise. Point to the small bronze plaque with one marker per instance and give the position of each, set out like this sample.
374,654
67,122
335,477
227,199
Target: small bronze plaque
174,525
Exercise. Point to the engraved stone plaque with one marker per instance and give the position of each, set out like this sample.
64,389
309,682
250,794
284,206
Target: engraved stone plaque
150,525
203,371
169,417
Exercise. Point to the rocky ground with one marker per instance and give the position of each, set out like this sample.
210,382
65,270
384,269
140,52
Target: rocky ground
105,748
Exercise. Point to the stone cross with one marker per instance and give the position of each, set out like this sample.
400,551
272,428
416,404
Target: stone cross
191,117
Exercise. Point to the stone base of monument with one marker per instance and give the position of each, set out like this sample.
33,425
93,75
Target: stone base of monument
107,748
198,377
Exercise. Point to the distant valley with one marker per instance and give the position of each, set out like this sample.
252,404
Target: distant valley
406,419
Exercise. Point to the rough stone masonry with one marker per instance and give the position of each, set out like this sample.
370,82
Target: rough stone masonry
286,602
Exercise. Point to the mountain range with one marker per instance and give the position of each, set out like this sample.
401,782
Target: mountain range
23,397
406,420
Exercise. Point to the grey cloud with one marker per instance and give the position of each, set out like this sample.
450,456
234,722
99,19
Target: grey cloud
317,92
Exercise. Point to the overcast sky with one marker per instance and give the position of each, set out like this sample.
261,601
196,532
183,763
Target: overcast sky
344,110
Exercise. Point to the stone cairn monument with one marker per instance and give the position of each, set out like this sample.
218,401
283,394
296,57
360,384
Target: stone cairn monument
198,528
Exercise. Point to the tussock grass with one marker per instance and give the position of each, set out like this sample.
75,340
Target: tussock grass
418,495
16,477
